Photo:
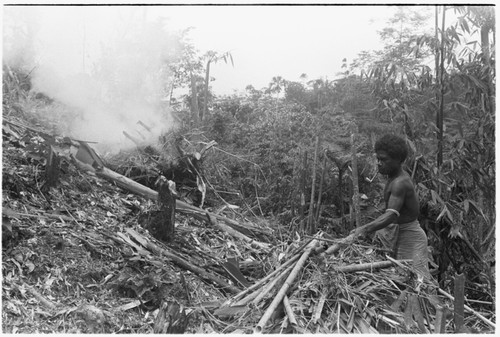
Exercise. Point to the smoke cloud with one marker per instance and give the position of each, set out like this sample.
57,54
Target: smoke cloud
108,65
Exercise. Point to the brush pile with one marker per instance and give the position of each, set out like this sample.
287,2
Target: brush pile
79,257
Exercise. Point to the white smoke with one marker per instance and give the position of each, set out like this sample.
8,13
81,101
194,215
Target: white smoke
108,64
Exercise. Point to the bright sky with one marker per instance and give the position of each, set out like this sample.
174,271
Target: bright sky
282,41
265,41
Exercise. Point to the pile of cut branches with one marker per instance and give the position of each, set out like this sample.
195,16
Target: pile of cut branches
78,257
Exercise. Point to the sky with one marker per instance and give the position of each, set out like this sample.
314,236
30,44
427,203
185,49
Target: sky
61,46
265,41
284,41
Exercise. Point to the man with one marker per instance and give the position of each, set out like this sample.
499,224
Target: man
398,228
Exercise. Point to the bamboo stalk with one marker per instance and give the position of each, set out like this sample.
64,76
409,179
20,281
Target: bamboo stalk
271,285
458,305
321,181
144,125
289,311
440,321
132,138
336,246
245,300
310,221
260,293
367,266
265,279
281,294
40,298
236,234
469,309
319,308
293,191
355,183
303,190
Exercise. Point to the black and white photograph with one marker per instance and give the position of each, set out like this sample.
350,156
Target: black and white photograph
248,168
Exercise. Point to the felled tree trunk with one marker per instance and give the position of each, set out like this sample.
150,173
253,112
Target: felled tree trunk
171,318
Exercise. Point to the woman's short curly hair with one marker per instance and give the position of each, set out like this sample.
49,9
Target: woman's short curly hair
395,146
